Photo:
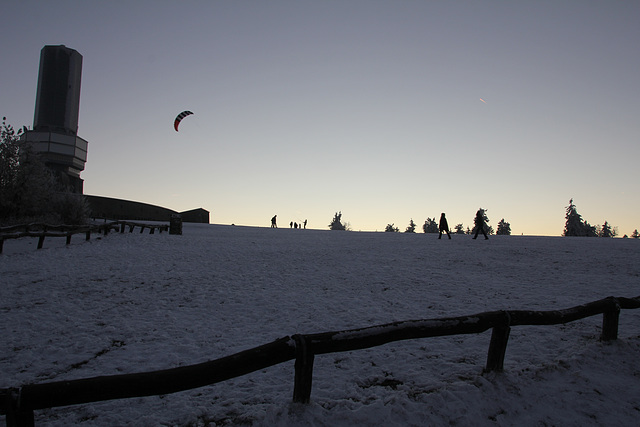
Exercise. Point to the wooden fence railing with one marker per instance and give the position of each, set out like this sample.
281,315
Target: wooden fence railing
19,403
45,230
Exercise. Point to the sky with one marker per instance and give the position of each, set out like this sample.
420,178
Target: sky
385,111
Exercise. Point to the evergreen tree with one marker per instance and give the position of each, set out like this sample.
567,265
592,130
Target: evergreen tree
336,223
575,225
483,222
9,166
430,226
411,228
635,234
459,229
36,187
504,228
590,230
391,229
606,230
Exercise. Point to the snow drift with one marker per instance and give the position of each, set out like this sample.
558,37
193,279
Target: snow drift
137,302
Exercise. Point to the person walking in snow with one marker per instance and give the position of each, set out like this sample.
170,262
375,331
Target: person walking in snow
443,226
479,222
273,222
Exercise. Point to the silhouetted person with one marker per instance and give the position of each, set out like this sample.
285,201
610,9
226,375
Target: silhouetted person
291,224
479,224
273,222
444,226
295,225
305,224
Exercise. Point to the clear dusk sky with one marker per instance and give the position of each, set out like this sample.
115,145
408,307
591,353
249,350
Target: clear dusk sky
384,110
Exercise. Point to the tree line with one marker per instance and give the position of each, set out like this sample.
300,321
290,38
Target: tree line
431,226
575,225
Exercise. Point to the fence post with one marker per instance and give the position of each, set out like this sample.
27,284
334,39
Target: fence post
1,243
610,320
175,224
69,238
15,416
40,241
303,371
498,345
88,236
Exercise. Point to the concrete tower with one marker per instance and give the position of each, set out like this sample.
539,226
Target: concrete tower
55,123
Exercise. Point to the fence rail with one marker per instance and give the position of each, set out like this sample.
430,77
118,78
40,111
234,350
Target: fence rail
19,403
41,231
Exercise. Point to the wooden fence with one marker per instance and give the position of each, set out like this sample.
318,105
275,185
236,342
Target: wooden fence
19,403
45,230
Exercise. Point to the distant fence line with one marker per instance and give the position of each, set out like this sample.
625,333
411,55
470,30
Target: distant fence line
19,403
41,231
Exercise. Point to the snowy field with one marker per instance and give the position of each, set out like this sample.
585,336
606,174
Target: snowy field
138,302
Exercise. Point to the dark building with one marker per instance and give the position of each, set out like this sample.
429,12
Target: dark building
55,137
115,209
55,123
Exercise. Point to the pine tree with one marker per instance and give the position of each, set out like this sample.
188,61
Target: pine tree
411,228
635,234
9,167
430,226
482,222
504,228
606,230
575,225
336,223
459,229
37,188
391,229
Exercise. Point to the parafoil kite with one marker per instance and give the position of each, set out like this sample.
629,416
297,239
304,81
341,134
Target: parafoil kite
179,118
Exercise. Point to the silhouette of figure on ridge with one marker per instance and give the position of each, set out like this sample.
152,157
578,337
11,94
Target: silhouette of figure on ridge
443,226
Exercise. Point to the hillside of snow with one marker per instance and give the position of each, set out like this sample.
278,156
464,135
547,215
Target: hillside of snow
135,302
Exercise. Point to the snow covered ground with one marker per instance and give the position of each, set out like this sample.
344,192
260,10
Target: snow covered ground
137,302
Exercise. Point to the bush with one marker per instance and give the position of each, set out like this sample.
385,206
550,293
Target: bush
72,208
